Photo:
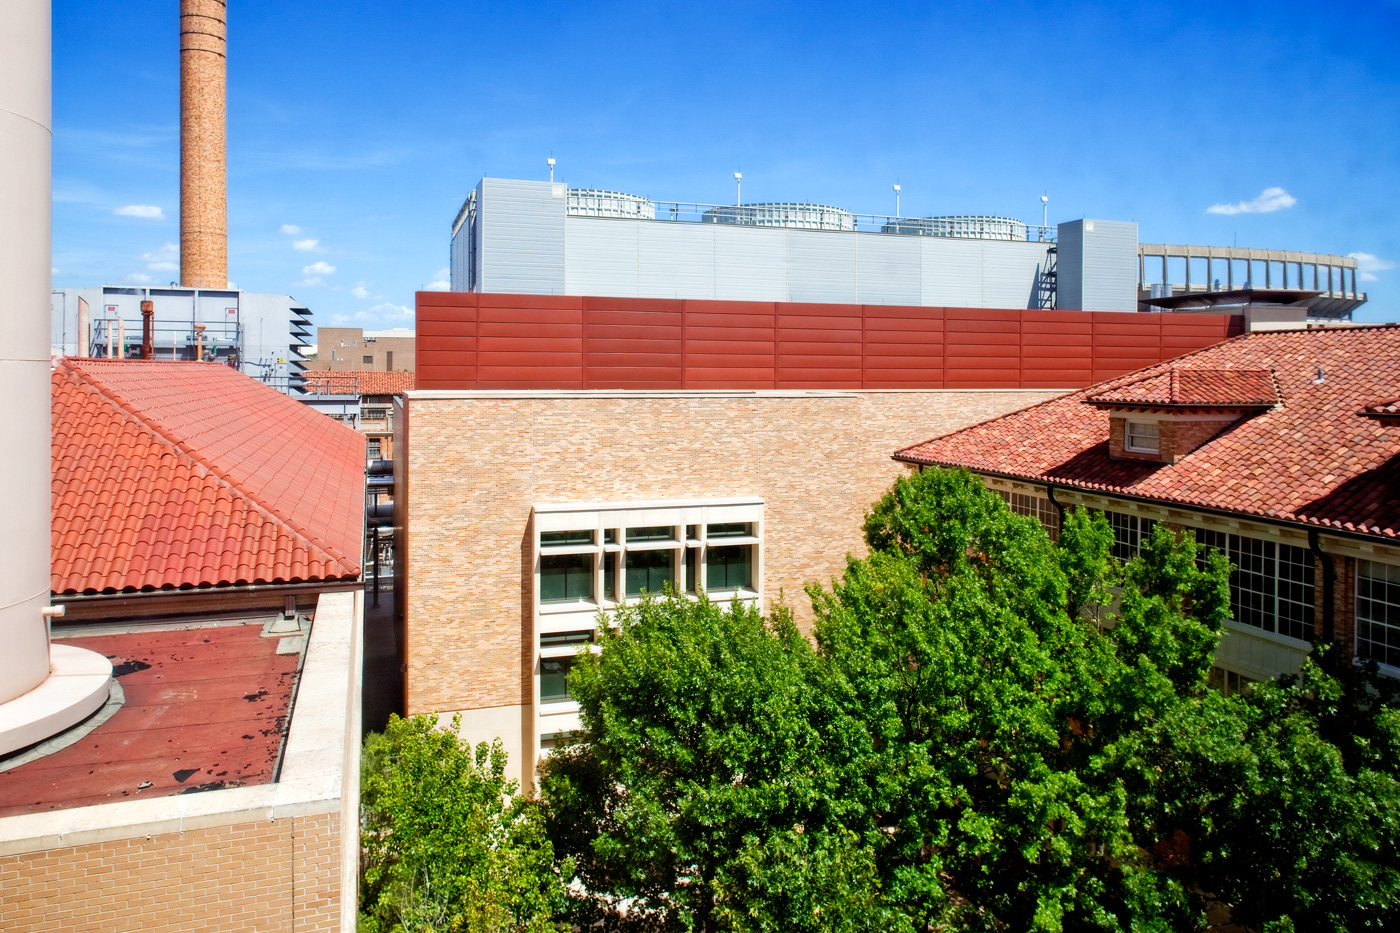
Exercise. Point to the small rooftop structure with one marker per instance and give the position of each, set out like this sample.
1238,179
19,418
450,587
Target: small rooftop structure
330,382
1193,389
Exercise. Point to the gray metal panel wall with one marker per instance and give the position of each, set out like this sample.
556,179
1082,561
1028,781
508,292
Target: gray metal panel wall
523,236
602,256
677,259
1110,265
750,263
951,273
889,269
1069,266
822,267
1011,272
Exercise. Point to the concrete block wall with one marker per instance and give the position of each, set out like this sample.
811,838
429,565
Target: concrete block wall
270,875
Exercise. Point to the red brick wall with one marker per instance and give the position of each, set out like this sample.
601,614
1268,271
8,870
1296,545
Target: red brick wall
483,341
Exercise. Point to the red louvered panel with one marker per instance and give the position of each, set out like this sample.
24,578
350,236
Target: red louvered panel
542,344
671,347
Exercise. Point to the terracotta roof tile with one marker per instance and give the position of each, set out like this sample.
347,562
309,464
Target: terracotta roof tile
1194,388
169,475
326,382
1313,459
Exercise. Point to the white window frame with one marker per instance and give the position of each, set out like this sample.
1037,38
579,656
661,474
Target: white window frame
1388,597
1129,424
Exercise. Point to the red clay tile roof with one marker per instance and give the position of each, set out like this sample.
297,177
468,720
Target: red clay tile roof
1315,459
323,381
1194,388
1387,408
174,475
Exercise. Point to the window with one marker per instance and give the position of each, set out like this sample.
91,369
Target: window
1142,435
1271,583
1378,611
610,536
648,570
729,530
566,577
651,533
554,679
1227,682
1037,507
610,576
692,569
368,360
729,568
372,449
558,538
564,639
375,414
1129,531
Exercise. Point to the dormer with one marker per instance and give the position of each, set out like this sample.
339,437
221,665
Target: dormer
1163,417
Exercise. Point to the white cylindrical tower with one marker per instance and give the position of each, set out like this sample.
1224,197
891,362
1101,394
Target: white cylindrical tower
43,690
26,145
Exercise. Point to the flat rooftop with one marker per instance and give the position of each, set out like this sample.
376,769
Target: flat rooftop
206,707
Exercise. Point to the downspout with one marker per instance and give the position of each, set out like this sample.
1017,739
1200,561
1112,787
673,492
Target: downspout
1329,580
1050,494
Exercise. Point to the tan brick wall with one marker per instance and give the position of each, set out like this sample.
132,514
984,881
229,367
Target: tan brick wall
476,465
281,875
1175,439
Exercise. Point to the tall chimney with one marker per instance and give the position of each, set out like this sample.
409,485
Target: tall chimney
203,163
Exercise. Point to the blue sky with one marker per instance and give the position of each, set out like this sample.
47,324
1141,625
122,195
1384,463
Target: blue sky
364,125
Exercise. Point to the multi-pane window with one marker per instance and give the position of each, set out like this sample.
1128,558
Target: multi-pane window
566,577
1378,611
1129,532
648,570
1143,435
1271,583
372,450
554,679
1037,507
729,568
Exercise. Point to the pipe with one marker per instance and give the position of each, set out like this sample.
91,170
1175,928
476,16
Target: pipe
84,327
1329,581
121,337
148,330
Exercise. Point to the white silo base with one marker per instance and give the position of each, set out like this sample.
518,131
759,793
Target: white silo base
78,684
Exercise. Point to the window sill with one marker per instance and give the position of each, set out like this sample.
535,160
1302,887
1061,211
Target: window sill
1263,634
557,707
567,605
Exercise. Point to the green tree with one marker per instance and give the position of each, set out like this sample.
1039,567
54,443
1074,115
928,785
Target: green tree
699,793
446,842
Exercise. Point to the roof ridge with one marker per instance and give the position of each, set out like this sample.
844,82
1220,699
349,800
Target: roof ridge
165,433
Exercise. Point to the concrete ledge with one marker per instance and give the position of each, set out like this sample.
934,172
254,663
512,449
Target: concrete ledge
78,684
314,761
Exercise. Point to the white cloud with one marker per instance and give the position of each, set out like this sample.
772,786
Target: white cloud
291,229
138,278
163,266
1368,265
359,291
309,246
308,282
318,268
53,271
443,273
1270,200
144,211
440,285
164,259
389,308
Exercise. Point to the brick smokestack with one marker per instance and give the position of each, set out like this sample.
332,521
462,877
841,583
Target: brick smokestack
203,163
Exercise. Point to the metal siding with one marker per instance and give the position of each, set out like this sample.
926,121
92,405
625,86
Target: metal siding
821,266
676,260
601,257
1010,272
750,263
523,231
1110,265
950,272
1069,266
888,269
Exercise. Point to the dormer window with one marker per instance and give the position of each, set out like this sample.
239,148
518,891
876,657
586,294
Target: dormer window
1143,437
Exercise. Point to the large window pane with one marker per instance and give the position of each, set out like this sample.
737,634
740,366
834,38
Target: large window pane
610,575
728,568
728,530
1271,584
1378,611
651,533
566,577
649,570
692,569
555,538
554,679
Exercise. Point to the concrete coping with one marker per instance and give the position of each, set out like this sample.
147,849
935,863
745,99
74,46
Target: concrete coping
322,743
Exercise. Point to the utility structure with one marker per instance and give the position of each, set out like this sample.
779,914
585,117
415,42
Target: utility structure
203,156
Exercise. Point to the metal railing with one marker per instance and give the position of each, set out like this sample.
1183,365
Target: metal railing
697,212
